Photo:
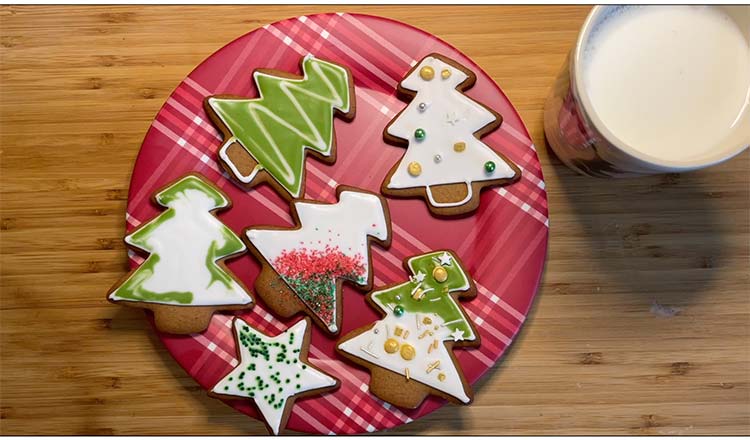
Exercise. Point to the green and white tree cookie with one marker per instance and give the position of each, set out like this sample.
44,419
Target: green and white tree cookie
184,279
271,133
413,341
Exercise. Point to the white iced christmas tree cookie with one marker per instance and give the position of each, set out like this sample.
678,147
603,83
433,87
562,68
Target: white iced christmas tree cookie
445,161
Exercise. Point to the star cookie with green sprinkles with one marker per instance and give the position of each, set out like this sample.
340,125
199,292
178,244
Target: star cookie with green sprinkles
273,371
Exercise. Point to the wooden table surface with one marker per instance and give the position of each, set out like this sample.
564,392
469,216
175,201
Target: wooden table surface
641,324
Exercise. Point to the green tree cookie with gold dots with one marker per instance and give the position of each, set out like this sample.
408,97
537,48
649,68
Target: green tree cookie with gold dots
409,351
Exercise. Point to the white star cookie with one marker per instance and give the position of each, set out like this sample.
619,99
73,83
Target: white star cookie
273,371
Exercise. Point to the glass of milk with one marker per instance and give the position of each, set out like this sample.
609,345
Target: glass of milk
653,89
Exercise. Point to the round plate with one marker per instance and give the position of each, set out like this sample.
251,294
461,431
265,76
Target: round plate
503,245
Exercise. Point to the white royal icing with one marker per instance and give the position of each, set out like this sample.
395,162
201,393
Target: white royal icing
370,346
448,117
346,225
182,244
309,378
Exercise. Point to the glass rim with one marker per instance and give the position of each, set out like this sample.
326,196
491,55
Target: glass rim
709,158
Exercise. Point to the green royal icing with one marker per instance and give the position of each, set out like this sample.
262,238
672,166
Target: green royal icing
133,288
290,115
446,307
168,195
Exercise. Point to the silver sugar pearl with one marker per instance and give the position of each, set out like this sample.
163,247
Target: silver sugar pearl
438,158
376,331
422,106
398,297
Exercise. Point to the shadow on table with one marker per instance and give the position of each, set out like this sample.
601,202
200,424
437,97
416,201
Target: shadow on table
217,413
647,235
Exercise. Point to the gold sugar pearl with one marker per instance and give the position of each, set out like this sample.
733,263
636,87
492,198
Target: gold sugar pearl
415,169
445,74
390,346
427,320
427,73
458,147
418,294
441,377
440,274
408,352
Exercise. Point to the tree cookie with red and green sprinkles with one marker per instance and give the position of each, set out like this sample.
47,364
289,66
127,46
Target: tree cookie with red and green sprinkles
273,371
303,267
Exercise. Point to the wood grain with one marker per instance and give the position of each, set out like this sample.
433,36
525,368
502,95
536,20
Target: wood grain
600,353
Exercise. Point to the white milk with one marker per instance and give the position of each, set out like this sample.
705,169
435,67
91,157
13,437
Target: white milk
669,81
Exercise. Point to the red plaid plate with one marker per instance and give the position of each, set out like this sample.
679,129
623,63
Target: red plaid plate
503,245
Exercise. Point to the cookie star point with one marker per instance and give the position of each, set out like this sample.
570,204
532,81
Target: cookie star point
445,259
457,335
420,276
